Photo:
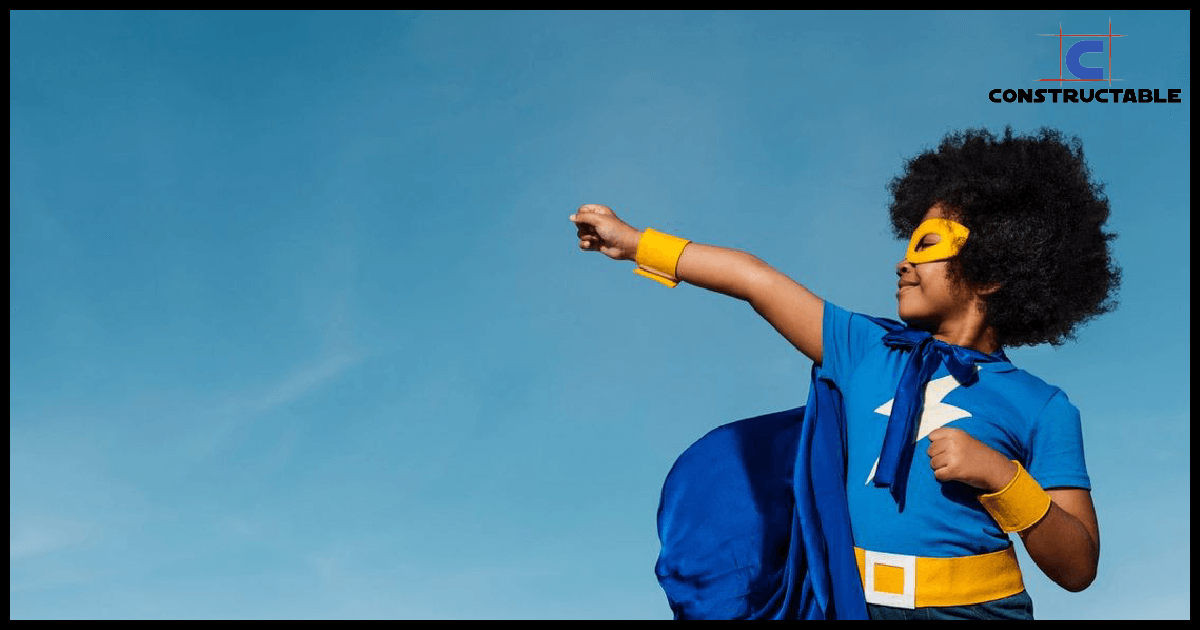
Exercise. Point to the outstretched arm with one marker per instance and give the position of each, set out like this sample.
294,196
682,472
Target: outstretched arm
789,307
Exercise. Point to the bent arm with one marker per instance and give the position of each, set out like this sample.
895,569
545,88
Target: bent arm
789,307
1065,544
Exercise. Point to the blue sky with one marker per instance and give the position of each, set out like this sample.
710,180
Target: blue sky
299,327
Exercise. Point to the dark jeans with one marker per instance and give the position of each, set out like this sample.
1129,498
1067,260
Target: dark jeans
1018,606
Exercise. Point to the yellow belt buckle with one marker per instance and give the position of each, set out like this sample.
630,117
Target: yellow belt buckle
890,563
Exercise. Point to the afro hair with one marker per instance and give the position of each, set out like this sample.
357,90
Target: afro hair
1036,222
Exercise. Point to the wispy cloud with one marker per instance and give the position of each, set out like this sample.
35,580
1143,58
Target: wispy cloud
239,409
291,387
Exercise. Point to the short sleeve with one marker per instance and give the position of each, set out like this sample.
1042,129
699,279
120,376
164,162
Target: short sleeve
845,339
1055,457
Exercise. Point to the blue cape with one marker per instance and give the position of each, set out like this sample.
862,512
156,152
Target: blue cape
753,519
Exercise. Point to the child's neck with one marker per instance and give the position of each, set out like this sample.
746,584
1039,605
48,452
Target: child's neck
969,334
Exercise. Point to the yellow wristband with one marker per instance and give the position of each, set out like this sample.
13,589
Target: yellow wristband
1021,503
657,254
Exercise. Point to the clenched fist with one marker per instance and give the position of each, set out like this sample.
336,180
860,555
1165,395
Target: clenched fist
956,456
600,230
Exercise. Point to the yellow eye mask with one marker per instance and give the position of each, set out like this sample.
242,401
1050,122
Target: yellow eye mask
952,236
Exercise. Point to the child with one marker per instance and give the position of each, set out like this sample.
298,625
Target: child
949,447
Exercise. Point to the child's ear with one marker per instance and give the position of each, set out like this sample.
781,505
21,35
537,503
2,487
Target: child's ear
989,289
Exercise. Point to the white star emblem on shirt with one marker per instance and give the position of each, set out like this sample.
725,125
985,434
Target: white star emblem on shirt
935,415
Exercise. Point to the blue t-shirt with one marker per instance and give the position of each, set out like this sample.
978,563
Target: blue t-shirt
1008,409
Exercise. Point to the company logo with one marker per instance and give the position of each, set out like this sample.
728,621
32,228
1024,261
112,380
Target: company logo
1079,49
1083,68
